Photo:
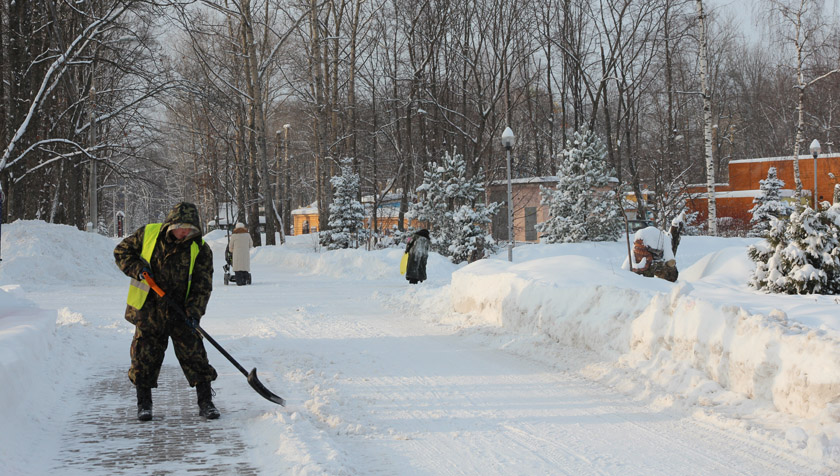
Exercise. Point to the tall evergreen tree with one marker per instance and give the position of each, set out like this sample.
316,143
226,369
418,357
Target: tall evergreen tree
448,203
347,214
769,204
583,206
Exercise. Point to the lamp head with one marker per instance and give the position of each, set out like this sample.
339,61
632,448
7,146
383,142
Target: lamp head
508,138
815,148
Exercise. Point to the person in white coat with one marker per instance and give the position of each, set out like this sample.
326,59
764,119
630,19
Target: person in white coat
240,247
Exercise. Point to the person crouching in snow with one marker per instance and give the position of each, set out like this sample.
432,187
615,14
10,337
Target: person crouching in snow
240,247
654,250
418,253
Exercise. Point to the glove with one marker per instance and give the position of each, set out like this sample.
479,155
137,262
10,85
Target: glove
192,320
145,269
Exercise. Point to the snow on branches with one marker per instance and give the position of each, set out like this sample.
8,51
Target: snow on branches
769,204
800,255
583,207
448,201
347,214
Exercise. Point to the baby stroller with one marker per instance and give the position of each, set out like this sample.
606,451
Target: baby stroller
227,266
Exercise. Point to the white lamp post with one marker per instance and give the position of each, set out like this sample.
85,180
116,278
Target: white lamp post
507,141
815,151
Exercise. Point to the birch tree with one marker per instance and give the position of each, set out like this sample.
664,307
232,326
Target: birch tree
800,22
705,91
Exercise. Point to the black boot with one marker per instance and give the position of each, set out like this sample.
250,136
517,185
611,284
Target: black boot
144,403
205,401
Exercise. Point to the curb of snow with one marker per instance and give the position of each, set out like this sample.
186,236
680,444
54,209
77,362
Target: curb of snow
763,357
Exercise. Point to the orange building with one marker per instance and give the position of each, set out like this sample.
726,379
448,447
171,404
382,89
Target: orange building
387,216
527,209
735,199
305,219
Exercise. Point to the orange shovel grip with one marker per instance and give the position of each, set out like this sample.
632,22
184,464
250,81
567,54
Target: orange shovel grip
153,284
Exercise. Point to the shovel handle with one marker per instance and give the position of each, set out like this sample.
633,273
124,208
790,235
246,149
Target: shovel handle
153,284
252,376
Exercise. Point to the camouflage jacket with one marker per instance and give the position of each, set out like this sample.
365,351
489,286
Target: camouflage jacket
170,265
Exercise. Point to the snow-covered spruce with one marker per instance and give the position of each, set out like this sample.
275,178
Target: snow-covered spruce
448,202
346,213
800,255
582,207
769,204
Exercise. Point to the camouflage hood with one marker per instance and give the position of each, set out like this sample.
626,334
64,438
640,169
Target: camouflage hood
182,215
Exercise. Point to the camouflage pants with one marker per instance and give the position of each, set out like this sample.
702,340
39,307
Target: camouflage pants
663,270
149,347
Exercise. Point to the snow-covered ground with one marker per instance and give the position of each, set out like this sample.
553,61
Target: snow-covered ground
559,363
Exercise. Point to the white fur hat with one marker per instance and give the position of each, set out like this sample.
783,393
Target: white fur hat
239,225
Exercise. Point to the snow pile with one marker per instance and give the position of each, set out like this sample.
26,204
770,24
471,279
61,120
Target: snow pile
690,337
38,253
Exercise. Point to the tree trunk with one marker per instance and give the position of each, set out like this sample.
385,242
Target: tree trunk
707,117
320,116
255,90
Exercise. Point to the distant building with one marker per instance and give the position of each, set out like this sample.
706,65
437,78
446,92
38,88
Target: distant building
228,216
734,200
527,210
305,219
225,217
387,215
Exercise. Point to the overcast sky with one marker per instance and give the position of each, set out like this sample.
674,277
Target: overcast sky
747,13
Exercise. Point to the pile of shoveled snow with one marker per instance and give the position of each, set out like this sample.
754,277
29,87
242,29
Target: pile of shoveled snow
707,339
39,253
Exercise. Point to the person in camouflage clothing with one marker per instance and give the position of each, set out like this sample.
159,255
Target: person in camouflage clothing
654,251
165,251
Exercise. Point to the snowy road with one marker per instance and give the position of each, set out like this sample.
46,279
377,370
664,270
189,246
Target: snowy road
371,390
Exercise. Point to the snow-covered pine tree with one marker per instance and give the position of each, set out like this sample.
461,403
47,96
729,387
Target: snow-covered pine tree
448,203
769,204
583,206
346,213
470,239
102,229
800,255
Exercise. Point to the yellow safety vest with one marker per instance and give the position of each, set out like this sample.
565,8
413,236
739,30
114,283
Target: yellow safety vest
139,290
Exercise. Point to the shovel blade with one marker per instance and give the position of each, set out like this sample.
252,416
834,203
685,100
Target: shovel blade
260,388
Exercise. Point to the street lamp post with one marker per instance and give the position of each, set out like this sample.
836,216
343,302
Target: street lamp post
815,151
507,141
94,200
287,218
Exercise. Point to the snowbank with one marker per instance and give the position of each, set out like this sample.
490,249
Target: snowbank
39,253
695,338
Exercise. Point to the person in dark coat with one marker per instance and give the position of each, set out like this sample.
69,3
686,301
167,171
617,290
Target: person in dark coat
418,253
177,258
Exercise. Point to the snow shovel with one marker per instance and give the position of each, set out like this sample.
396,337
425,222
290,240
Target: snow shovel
251,376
